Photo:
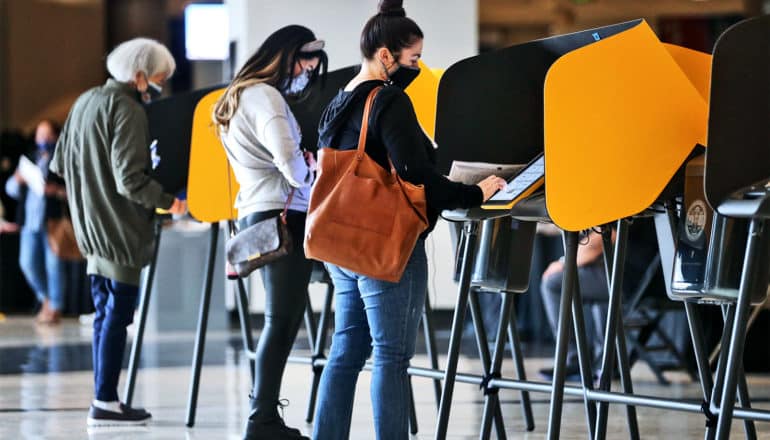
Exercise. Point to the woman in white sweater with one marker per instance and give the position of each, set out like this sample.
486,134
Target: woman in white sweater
262,141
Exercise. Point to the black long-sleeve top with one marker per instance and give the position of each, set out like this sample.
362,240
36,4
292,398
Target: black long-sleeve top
395,132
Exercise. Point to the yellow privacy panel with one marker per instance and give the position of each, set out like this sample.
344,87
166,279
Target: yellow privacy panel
620,118
208,185
695,64
424,93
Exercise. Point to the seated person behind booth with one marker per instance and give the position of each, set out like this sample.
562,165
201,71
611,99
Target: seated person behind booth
592,276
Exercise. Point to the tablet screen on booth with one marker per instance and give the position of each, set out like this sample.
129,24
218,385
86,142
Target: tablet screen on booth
529,176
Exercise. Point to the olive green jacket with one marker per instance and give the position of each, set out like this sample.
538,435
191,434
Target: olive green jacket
103,156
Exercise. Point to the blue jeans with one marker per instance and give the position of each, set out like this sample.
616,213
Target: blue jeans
44,270
379,316
115,303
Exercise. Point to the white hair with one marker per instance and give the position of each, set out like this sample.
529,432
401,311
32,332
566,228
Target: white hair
139,55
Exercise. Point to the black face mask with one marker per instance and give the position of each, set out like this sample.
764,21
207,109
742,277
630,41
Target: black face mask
403,76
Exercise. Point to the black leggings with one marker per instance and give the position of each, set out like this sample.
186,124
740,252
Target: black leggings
285,282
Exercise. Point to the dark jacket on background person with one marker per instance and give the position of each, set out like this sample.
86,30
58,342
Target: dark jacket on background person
103,156
394,132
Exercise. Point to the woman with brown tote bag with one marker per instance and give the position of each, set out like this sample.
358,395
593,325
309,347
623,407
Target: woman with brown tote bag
375,315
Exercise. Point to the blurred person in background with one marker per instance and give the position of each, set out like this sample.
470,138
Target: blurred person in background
42,268
103,155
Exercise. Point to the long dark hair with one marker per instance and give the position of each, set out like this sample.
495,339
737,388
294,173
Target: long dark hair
390,28
273,64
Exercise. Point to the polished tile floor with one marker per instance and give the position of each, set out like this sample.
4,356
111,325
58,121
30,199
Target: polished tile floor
45,389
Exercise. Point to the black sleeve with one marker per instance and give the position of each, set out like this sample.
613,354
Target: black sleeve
397,126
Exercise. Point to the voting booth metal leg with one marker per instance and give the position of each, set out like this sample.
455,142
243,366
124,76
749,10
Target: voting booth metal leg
430,345
310,324
701,359
242,302
624,367
613,319
623,363
743,396
203,316
518,362
319,347
584,357
716,392
144,304
738,334
491,396
470,232
485,357
562,334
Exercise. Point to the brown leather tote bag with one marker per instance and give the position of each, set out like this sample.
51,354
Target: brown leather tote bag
61,236
361,217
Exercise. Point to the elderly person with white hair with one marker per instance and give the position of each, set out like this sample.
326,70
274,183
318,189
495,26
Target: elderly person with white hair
103,156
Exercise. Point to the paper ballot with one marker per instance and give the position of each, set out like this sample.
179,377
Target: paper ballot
32,175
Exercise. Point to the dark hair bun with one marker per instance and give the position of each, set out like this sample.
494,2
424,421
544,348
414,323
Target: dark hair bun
392,8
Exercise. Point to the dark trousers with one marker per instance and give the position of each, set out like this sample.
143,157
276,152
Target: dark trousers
115,303
593,287
285,282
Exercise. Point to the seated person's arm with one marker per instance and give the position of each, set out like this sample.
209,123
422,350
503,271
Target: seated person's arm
587,253
590,251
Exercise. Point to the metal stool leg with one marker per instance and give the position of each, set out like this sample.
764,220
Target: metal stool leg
242,301
613,317
738,336
144,305
430,345
491,397
562,334
203,318
518,362
484,356
470,232
319,348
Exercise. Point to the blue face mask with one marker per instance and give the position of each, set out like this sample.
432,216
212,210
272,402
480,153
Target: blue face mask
46,147
299,83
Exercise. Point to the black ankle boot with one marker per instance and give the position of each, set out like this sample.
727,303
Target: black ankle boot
271,430
269,426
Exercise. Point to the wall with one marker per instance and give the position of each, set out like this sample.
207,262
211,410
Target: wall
53,52
449,37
